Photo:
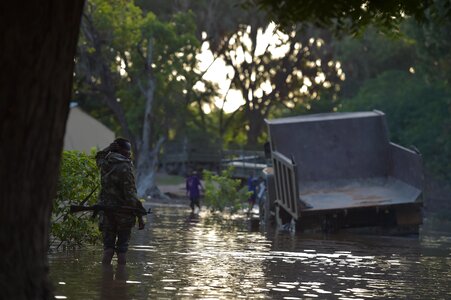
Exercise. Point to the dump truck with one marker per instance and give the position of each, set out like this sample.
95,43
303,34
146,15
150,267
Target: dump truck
339,171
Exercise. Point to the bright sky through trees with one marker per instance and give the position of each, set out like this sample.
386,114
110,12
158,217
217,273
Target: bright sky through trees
218,72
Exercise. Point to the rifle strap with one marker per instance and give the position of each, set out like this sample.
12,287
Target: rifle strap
89,196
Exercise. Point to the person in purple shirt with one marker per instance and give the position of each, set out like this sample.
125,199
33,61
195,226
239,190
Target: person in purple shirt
252,188
193,187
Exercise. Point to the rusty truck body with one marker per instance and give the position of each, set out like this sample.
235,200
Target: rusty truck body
337,171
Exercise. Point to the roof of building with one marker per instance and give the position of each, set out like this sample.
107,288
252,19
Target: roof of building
325,117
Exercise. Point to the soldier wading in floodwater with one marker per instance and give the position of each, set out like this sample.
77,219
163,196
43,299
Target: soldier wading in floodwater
117,189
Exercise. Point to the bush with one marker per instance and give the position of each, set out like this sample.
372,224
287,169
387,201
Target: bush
221,191
418,114
78,178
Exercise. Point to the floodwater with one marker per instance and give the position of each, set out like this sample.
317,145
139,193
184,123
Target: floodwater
206,257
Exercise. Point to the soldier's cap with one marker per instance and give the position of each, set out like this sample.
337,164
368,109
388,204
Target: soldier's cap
123,144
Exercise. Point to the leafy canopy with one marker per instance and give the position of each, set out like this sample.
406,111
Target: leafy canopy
344,16
120,49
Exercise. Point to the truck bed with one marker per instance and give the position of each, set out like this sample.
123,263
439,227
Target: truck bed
349,194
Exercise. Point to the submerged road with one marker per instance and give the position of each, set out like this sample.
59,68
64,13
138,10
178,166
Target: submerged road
208,257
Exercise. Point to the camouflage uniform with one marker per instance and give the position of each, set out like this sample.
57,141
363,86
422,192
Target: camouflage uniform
118,188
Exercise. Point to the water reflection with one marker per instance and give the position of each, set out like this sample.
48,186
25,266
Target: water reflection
184,257
113,282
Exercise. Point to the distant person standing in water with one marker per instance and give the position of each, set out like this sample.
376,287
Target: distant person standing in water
252,189
193,187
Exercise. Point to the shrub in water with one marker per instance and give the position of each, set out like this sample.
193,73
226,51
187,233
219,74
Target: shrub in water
222,191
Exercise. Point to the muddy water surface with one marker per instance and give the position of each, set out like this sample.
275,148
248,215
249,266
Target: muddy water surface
178,257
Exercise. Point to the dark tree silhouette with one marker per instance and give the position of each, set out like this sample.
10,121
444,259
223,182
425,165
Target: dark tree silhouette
343,15
38,41
298,77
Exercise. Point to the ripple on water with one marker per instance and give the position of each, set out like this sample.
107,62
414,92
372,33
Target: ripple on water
221,259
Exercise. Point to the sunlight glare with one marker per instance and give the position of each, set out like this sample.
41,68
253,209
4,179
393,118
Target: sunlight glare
206,108
199,86
253,76
248,58
269,40
264,38
266,87
239,55
320,77
258,93
233,101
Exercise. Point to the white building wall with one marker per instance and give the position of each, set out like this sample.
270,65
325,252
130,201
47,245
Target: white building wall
83,132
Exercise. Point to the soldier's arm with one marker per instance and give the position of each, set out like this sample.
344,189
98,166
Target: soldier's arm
128,185
130,194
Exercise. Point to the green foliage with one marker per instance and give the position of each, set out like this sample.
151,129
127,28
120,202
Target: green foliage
418,114
364,58
221,191
407,78
344,16
269,78
122,53
79,176
433,41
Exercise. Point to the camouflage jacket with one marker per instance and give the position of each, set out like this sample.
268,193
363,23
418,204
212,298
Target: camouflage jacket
117,182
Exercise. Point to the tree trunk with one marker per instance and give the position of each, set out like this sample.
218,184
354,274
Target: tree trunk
147,167
147,158
256,124
38,42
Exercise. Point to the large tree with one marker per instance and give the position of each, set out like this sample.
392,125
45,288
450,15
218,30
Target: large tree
268,69
137,65
37,58
273,70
